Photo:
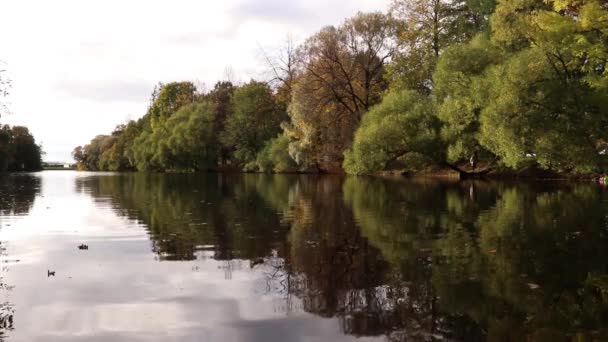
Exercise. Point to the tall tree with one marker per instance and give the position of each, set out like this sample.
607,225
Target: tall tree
427,27
184,142
27,155
18,150
256,119
283,70
117,157
342,77
220,97
168,98
549,98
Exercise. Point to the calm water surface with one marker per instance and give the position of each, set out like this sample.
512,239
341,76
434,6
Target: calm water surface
300,258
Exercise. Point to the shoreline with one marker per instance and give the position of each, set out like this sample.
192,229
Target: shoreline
440,174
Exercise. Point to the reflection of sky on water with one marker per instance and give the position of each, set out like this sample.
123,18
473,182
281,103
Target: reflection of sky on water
117,290
300,258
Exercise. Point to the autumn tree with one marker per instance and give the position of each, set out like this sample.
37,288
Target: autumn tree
283,69
342,77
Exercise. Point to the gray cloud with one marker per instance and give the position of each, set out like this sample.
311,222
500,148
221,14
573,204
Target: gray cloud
281,11
111,91
190,38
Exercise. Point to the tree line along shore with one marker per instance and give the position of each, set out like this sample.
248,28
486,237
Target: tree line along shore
19,150
472,86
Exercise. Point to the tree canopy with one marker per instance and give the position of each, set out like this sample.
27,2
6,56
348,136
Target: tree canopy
513,84
18,150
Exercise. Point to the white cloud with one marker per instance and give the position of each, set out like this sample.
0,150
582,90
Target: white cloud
81,67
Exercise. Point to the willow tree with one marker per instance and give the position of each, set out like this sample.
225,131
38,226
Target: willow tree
461,91
168,98
256,119
402,124
89,157
184,142
342,77
117,156
533,91
549,98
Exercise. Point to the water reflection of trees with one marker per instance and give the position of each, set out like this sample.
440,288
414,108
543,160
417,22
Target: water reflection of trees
513,263
337,271
190,216
17,193
17,196
411,260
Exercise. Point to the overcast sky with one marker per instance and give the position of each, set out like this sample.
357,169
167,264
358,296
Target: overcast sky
79,68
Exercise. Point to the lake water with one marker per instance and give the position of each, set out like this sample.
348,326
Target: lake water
300,258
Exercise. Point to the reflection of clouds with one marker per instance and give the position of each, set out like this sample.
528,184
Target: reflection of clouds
117,291
131,296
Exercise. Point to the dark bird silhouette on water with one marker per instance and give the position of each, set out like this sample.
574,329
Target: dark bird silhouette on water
50,273
83,247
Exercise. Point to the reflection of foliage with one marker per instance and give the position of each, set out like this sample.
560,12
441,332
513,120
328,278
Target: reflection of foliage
187,215
411,260
7,309
7,313
17,193
513,259
337,267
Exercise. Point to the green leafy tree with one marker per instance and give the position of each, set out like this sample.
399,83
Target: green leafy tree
168,98
426,29
191,138
221,96
91,156
184,142
18,150
274,157
461,91
401,124
549,96
118,156
256,120
27,155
